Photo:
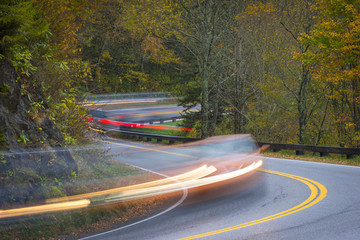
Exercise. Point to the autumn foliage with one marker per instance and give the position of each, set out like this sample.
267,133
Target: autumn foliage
285,71
334,62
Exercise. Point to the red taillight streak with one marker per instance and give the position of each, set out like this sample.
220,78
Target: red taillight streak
90,119
106,121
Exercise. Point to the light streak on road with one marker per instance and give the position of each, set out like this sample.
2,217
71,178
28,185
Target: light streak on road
191,179
163,113
133,194
138,125
196,173
117,103
55,207
215,171
83,200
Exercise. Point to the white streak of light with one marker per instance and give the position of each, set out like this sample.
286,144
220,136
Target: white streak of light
44,208
132,194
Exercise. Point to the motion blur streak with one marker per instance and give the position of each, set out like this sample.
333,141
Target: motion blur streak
196,173
149,149
190,179
318,193
149,126
131,194
44,208
163,112
209,176
69,203
117,103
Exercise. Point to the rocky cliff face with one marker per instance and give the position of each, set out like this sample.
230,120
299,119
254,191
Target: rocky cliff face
23,171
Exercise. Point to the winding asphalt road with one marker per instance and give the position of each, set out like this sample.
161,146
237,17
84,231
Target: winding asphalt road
292,200
144,114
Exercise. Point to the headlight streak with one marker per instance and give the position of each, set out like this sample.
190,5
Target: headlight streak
133,194
116,103
196,173
55,207
69,203
191,179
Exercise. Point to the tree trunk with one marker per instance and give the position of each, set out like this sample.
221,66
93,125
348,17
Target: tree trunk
205,102
302,103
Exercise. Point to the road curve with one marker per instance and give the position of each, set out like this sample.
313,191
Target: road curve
293,200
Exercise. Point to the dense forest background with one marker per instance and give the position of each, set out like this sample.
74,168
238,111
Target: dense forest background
285,71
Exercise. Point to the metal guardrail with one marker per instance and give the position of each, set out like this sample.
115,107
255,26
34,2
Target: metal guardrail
161,120
323,150
159,138
299,148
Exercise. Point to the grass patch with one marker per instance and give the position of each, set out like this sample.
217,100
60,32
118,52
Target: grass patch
172,124
332,158
97,171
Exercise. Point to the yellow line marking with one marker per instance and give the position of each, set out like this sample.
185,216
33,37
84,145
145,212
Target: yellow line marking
313,199
149,149
97,130
318,193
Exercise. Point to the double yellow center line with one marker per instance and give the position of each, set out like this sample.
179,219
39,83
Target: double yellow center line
318,193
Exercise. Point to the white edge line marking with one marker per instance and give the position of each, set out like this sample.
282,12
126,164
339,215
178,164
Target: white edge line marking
146,219
149,218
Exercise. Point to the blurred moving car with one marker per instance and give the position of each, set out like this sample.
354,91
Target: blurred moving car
227,152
